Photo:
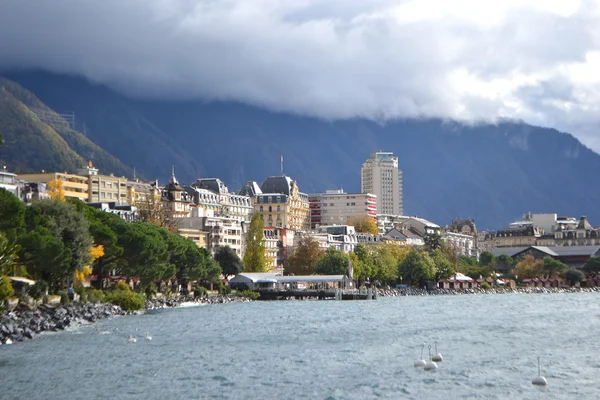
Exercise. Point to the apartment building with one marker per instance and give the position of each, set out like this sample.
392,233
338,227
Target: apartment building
74,186
334,207
381,176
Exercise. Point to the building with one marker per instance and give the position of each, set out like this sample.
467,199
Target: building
465,245
8,181
387,222
125,211
341,237
175,200
279,203
212,194
381,176
74,186
572,256
31,192
103,188
334,207
212,232
143,194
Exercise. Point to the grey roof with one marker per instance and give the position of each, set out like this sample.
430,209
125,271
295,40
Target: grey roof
309,278
215,185
277,184
575,250
251,189
509,251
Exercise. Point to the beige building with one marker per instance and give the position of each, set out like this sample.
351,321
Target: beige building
334,207
214,232
104,188
212,195
280,203
74,186
381,176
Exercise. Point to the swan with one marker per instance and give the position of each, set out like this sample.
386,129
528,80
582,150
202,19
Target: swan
420,362
132,339
148,337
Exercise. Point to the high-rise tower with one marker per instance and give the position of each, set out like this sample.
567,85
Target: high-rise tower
381,176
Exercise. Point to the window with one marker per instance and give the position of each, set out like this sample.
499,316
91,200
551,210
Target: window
261,208
278,208
270,209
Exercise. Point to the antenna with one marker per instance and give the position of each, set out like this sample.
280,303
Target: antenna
134,177
282,165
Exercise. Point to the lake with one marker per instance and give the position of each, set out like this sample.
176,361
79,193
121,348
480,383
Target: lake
322,350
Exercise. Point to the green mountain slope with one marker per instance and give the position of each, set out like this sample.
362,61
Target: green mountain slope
37,138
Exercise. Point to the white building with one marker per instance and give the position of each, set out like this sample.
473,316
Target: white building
218,232
464,244
381,176
8,181
342,238
334,207
213,194
549,222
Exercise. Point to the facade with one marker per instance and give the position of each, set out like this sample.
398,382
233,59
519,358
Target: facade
387,222
381,176
8,181
103,188
125,211
143,193
31,192
213,232
74,186
280,203
334,207
466,245
212,195
175,200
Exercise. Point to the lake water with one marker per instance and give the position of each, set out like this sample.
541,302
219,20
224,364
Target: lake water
322,350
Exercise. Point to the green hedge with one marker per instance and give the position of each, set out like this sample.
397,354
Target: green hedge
126,299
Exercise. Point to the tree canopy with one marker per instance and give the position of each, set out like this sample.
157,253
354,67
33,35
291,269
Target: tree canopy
228,260
255,259
417,266
302,261
363,224
333,262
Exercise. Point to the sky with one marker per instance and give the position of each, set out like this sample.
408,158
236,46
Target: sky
469,60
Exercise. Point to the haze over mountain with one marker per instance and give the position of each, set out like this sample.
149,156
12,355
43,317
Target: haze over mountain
492,173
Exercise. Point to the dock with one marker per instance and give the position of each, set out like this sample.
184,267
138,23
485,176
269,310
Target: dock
337,294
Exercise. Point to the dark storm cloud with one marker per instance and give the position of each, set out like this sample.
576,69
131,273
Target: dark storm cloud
464,59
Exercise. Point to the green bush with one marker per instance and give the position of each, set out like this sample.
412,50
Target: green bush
6,289
122,285
64,298
200,291
248,294
126,299
95,295
484,285
38,289
224,289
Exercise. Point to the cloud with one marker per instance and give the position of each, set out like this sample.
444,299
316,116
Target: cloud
469,60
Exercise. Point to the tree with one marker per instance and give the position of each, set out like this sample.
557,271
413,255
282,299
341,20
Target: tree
152,210
505,261
255,259
304,257
9,256
6,289
229,261
528,268
444,268
553,267
417,266
12,215
487,259
592,266
433,241
362,263
574,276
333,262
363,224
57,191
385,265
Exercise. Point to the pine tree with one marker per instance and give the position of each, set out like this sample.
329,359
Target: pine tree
255,259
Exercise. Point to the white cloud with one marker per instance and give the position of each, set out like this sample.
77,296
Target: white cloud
466,59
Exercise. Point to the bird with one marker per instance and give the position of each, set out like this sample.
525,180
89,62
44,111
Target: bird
148,337
132,339
420,362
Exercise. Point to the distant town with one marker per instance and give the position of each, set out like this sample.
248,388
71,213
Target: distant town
212,217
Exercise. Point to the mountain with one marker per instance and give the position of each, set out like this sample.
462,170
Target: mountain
37,138
491,173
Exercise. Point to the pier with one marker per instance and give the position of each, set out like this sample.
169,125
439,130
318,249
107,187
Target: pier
337,294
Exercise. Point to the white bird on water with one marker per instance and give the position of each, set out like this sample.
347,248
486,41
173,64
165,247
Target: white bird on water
132,339
429,365
148,337
437,356
539,380
420,362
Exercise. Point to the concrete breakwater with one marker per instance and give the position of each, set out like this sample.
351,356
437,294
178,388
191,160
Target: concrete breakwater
437,292
26,324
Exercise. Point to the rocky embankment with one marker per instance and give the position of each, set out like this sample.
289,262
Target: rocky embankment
434,292
21,324
171,303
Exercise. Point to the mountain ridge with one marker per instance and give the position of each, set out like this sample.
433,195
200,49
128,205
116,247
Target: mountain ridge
490,173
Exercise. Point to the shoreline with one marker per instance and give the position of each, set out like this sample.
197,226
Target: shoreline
475,291
20,325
